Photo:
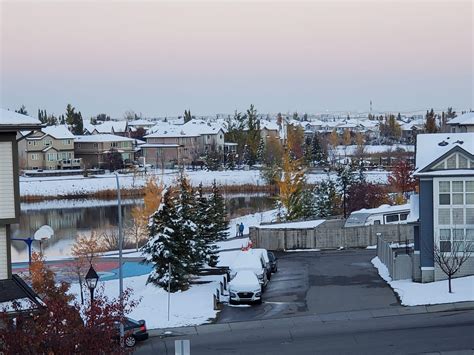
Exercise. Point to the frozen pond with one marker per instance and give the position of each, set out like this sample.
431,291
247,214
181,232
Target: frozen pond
71,217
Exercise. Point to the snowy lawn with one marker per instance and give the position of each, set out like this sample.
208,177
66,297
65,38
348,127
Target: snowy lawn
79,185
192,307
414,293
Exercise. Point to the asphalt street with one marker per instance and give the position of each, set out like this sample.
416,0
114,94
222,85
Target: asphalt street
318,282
433,333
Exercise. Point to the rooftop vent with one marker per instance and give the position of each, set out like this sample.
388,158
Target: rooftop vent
458,142
443,143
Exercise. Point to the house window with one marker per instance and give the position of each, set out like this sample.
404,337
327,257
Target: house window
29,143
96,145
445,240
51,156
34,156
451,162
444,216
462,162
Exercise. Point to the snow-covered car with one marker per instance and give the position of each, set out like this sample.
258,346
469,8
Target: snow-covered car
245,287
263,254
247,260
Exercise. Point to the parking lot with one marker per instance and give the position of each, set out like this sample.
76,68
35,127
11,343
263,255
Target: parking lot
316,283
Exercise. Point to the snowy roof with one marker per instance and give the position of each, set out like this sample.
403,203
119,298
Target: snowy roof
12,121
466,119
270,125
295,225
58,132
95,138
430,147
384,209
108,127
193,128
141,122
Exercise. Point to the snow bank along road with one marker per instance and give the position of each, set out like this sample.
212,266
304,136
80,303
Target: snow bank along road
79,185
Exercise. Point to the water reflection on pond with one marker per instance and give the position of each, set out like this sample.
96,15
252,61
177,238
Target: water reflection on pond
71,217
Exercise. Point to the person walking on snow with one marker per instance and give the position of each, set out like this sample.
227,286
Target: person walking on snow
237,229
241,229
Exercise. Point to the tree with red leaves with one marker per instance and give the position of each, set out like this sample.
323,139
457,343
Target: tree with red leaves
63,326
365,195
402,178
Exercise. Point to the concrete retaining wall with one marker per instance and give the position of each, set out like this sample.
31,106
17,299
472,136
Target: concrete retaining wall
329,235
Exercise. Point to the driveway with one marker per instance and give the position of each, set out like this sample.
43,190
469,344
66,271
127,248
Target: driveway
316,283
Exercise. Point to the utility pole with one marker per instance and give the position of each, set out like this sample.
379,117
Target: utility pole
119,206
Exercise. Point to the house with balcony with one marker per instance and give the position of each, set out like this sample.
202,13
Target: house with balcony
445,169
93,149
50,148
169,144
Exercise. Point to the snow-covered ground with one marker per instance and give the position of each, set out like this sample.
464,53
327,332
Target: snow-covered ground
414,293
192,307
79,185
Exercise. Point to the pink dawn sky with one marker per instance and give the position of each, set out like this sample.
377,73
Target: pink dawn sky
160,58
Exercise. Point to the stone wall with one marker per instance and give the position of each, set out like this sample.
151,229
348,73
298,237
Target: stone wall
329,235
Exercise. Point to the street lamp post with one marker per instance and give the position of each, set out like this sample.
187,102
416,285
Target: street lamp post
91,280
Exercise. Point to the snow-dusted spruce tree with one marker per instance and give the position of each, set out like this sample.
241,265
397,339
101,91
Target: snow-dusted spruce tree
325,198
205,236
170,241
186,208
261,151
230,161
218,215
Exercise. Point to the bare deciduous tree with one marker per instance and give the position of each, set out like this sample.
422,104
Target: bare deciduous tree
452,256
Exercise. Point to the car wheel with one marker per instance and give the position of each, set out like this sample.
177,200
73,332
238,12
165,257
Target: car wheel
130,341
231,301
259,301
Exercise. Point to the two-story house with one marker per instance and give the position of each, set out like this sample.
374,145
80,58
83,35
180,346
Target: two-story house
51,147
445,168
463,123
93,149
12,287
169,144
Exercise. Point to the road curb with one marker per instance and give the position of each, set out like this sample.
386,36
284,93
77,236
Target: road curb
302,319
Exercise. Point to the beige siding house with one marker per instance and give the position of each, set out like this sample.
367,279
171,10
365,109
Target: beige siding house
50,148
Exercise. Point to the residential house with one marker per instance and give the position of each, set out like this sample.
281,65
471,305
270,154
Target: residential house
93,149
12,287
463,123
169,144
52,147
445,168
119,128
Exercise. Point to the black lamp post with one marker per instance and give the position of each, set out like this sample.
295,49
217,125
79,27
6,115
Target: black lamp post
91,280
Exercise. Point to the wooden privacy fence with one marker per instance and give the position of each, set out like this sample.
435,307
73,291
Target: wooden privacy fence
329,235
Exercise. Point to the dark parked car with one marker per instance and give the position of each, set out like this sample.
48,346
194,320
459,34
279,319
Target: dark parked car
273,261
134,331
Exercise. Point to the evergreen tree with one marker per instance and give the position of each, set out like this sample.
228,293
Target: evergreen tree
308,207
187,116
167,246
218,215
261,151
22,110
230,161
430,123
307,152
325,199
187,213
206,238
345,179
74,120
212,159
319,156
